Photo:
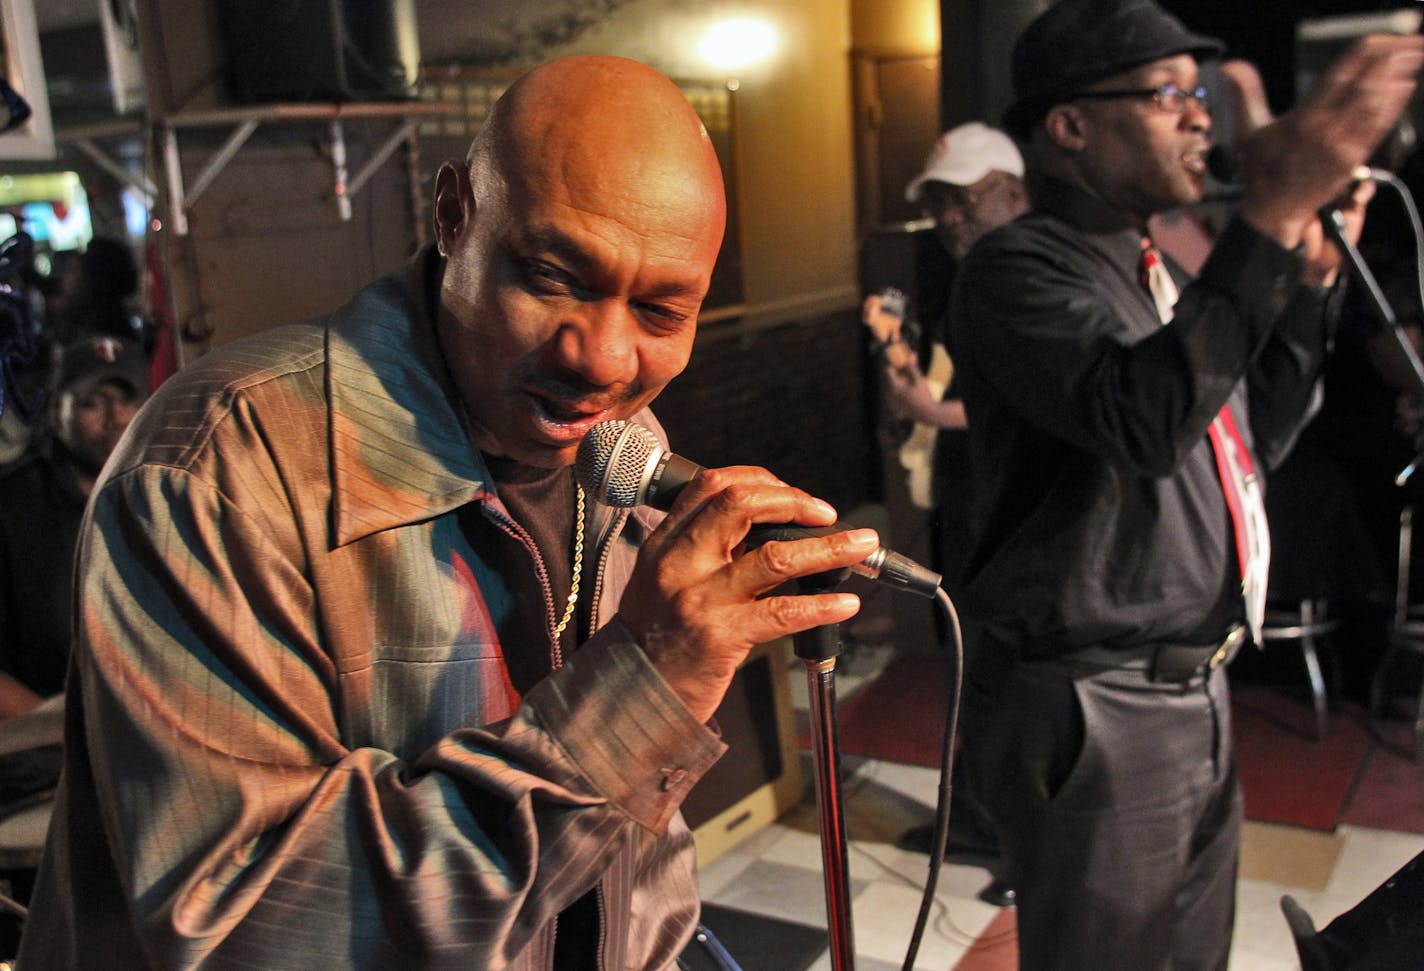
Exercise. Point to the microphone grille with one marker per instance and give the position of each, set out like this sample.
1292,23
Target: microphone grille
615,461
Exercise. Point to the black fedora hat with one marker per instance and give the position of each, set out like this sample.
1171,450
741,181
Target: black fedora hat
1075,43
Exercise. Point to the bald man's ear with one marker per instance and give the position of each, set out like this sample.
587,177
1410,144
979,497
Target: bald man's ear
1066,127
454,204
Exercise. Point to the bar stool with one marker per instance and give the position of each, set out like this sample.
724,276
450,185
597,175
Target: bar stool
1407,635
1308,624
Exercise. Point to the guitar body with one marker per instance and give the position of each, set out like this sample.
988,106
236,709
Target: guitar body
916,453
884,316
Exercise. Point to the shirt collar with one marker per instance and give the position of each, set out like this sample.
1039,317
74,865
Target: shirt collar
1085,212
399,451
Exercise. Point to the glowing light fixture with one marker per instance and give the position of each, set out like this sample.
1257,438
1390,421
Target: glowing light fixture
738,43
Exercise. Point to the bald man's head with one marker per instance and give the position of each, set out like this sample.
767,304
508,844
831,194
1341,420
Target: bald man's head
618,108
580,238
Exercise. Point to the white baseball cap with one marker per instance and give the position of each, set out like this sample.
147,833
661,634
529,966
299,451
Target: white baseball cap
964,155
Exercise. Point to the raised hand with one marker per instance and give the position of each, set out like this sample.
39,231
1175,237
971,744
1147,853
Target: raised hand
1294,165
698,599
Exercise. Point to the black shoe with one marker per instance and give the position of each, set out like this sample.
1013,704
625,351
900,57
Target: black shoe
960,843
998,894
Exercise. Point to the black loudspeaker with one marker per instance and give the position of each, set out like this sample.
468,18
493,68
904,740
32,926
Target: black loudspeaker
320,50
759,778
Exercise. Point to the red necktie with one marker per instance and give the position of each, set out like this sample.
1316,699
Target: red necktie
1239,483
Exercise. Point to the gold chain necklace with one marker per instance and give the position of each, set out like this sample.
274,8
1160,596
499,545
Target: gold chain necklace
578,567
578,537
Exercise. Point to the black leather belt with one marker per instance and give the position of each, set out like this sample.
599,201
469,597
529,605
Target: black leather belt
1163,662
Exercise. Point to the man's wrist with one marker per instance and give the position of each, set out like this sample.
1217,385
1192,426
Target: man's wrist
1286,228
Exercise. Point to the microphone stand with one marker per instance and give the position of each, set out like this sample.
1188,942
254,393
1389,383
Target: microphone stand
819,647
1334,224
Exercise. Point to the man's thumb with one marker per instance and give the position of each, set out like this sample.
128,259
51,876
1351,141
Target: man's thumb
1253,111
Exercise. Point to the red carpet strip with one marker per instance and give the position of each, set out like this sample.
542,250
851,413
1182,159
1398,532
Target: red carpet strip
1389,792
1287,776
997,948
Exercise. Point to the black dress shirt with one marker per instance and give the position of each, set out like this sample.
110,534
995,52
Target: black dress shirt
1099,518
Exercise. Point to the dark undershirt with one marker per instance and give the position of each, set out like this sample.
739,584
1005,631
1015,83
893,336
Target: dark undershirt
543,502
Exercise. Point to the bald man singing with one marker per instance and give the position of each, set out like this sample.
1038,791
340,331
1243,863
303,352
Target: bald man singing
362,679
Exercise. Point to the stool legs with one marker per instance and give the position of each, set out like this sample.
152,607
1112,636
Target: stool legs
1306,625
1312,667
1408,634
1419,724
1402,641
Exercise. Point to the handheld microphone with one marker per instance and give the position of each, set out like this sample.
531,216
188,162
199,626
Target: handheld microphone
622,464
1221,163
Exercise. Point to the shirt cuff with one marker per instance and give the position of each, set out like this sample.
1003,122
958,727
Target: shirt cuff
625,729
1258,273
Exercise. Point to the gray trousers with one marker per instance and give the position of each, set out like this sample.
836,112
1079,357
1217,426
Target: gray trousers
1118,811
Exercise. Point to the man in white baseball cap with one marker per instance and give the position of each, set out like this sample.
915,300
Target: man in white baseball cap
972,183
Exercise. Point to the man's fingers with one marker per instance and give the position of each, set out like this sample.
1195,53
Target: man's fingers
773,563
1369,85
706,528
1359,195
698,599
714,537
780,616
1381,57
727,501
1305,159
706,487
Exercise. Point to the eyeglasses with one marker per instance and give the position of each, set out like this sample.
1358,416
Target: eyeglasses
1167,97
942,197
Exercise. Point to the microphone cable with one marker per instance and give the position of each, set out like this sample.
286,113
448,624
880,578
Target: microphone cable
1406,199
1382,309
622,465
954,679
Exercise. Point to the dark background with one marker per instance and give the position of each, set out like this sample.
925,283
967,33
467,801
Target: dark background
1263,31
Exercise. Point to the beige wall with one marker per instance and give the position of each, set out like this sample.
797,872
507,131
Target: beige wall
266,246
797,181
780,380
795,185
908,27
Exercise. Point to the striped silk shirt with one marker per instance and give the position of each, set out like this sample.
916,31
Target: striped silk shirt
293,740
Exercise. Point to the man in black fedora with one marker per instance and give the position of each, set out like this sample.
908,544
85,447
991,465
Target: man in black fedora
1119,412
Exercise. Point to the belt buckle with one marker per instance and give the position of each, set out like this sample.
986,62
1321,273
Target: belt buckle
1227,648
